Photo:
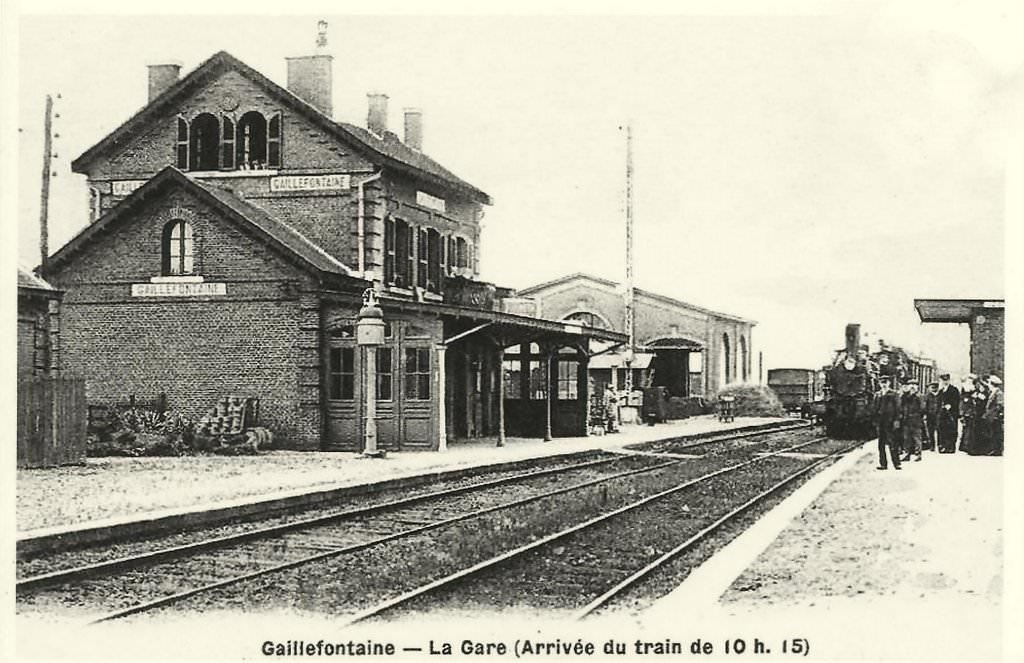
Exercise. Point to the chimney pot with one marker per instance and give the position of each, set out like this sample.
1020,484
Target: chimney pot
161,77
310,79
414,128
377,113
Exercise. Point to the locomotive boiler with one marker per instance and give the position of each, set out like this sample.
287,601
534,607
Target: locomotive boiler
850,390
852,381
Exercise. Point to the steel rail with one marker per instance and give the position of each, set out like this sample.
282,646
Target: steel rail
401,599
173,598
701,535
89,571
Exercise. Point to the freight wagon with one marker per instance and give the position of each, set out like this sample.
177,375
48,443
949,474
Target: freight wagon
796,387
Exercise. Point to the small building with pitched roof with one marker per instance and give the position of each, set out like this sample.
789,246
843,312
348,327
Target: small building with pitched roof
38,326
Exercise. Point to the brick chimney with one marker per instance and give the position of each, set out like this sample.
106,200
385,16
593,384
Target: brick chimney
377,113
161,77
310,79
414,128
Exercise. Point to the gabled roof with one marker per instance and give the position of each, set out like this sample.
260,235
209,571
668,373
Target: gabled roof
277,233
388,152
27,279
580,276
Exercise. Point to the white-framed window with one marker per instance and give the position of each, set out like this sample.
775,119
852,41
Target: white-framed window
178,249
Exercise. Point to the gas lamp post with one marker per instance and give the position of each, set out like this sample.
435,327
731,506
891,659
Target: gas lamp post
369,337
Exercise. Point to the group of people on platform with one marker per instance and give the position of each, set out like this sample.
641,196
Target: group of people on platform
908,422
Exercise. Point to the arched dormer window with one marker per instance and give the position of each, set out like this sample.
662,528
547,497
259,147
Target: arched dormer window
228,142
178,257
204,142
251,144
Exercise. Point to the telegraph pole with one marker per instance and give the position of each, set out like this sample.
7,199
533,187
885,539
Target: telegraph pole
44,202
629,257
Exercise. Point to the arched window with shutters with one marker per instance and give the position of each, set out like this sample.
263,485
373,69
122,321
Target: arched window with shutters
204,142
178,249
251,141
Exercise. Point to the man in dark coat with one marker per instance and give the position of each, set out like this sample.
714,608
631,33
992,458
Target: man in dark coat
949,414
931,415
887,418
911,419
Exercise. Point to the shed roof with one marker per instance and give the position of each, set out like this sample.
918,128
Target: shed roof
953,310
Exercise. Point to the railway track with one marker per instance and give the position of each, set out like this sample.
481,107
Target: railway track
609,556
216,563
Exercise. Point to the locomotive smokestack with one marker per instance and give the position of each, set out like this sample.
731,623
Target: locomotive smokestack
852,340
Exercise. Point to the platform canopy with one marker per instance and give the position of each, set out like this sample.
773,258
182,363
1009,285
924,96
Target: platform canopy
952,310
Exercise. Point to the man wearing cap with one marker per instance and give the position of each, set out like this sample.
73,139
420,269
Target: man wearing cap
887,417
993,416
911,419
931,414
949,413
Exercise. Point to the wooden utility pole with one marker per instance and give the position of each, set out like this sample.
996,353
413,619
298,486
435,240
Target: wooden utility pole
629,256
44,202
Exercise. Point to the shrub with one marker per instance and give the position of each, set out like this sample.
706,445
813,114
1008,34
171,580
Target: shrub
753,400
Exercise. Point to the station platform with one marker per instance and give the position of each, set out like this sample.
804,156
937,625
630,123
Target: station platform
75,504
866,564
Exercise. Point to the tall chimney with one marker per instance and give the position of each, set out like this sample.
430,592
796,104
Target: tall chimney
161,77
414,128
377,113
310,79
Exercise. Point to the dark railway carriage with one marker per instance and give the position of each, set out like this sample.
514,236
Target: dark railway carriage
796,388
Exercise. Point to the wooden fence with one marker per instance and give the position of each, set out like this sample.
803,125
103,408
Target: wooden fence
51,422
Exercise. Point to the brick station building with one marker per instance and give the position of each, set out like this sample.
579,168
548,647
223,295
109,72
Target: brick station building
234,227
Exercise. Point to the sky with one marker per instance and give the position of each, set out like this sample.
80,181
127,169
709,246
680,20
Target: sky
804,168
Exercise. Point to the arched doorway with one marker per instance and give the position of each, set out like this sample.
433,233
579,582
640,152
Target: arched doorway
726,372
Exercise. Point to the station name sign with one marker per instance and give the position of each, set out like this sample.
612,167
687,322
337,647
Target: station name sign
339,182
433,202
178,289
125,187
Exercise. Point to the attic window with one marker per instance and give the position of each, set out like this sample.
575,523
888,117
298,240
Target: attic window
204,142
252,141
178,258
249,142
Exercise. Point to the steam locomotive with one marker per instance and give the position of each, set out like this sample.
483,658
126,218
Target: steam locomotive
852,380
